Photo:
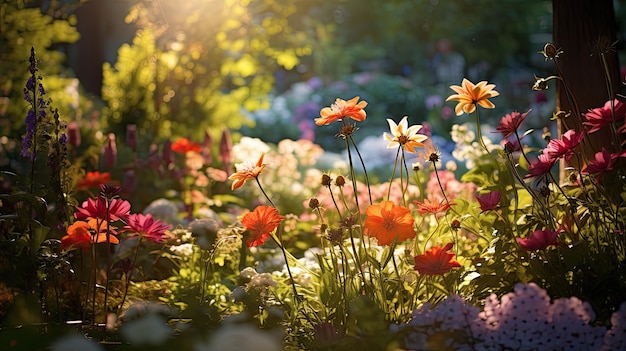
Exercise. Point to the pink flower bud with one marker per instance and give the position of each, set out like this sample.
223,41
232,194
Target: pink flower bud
226,147
206,149
73,134
131,136
109,153
167,155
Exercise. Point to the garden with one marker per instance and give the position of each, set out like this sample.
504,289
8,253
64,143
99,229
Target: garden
265,175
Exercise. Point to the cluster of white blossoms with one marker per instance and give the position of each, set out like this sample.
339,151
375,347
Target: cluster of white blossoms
524,319
467,148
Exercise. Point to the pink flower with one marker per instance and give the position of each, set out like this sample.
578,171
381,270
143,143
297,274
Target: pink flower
510,122
601,116
97,208
109,152
538,240
540,167
147,227
603,162
489,201
565,146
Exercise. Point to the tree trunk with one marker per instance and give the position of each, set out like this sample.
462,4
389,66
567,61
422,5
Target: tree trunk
585,30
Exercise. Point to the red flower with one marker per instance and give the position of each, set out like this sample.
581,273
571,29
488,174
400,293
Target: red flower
489,201
510,122
97,208
538,240
433,207
146,226
603,162
260,223
81,234
340,109
388,222
601,116
565,146
93,180
542,166
183,145
436,261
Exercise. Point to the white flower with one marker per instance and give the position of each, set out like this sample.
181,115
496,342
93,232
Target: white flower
404,136
237,337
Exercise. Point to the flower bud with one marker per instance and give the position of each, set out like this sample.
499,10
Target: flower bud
131,136
326,180
314,203
109,152
340,181
73,134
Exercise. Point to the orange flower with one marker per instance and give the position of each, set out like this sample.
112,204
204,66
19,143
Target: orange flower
433,207
81,234
183,145
436,261
386,222
247,171
260,223
470,94
93,180
341,109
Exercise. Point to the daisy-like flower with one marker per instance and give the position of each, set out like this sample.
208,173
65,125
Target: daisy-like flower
564,147
146,226
469,94
388,222
404,136
601,116
436,261
246,171
489,201
538,240
352,108
260,223
81,234
97,208
432,207
511,122
542,166
93,180
183,145
602,162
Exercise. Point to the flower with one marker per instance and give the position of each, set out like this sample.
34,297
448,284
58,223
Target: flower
603,162
183,145
247,171
97,208
81,234
538,240
404,136
510,122
109,152
436,261
146,226
433,207
260,223
470,94
341,109
93,180
601,116
489,201
388,222
542,166
565,146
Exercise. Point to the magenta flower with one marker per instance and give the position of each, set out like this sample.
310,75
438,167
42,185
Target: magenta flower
511,122
565,146
603,162
489,201
97,208
146,226
601,116
538,240
540,167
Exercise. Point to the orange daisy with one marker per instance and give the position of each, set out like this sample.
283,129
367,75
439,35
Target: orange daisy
183,145
260,223
433,207
246,171
436,261
388,222
470,94
341,109
93,180
82,233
